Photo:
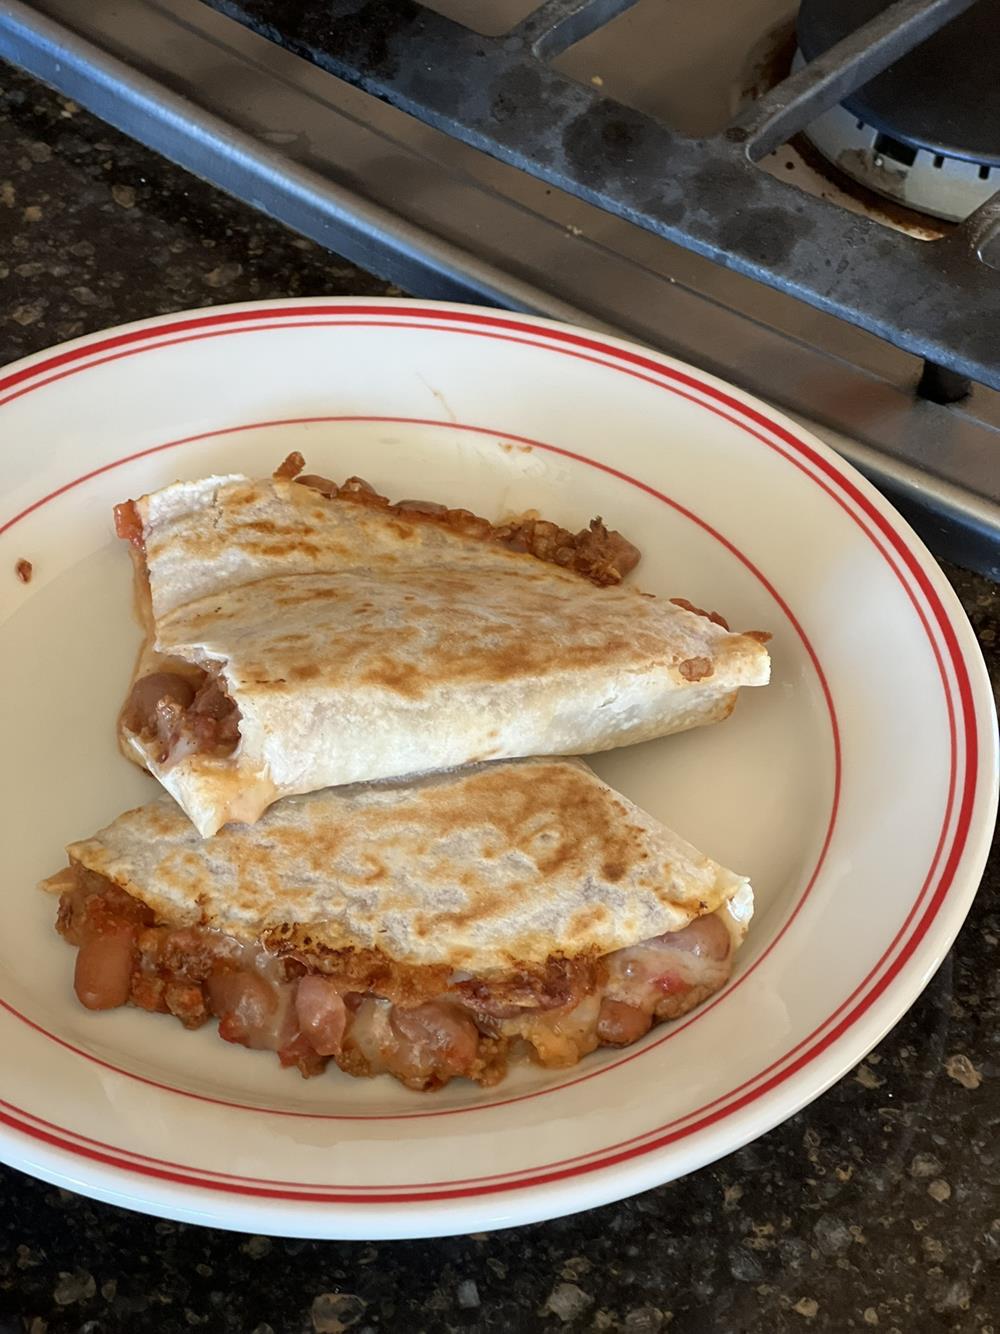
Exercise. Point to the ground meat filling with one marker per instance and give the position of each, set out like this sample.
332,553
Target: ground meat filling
597,553
309,1016
179,715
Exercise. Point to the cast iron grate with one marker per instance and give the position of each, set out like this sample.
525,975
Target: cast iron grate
940,300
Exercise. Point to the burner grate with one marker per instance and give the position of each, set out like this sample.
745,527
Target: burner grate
707,194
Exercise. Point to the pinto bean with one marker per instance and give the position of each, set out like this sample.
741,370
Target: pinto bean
619,1024
321,484
290,466
250,1010
104,969
433,1041
706,937
420,507
140,713
321,1013
439,1028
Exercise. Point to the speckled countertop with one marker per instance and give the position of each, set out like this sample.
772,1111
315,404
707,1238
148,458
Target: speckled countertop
878,1207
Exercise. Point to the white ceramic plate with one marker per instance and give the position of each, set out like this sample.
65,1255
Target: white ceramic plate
858,790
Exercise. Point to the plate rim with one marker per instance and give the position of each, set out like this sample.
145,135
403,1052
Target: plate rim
978,705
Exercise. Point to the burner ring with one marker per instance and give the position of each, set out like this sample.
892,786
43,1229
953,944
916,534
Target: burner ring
926,131
938,184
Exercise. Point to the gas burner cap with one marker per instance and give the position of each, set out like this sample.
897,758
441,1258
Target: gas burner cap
926,132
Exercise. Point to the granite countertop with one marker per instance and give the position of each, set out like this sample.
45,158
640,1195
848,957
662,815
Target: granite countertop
878,1207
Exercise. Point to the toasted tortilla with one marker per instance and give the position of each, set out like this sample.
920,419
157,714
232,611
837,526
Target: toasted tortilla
360,642
488,869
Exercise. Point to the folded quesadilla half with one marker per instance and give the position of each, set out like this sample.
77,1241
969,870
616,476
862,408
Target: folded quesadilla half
301,635
426,929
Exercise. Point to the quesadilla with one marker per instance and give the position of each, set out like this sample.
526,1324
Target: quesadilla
426,929
301,635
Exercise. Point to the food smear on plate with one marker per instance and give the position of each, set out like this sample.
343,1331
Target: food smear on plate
24,570
302,634
426,929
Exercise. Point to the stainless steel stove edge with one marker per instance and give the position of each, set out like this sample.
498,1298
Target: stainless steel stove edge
214,97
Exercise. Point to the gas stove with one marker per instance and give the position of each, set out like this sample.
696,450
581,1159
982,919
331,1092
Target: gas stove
798,198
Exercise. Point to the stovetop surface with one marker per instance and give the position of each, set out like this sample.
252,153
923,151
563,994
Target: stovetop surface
544,106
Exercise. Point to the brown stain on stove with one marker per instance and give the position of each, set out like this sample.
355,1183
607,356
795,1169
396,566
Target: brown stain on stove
608,141
888,212
514,90
765,235
769,61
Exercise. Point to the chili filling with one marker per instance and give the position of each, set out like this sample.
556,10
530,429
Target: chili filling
176,715
424,1026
